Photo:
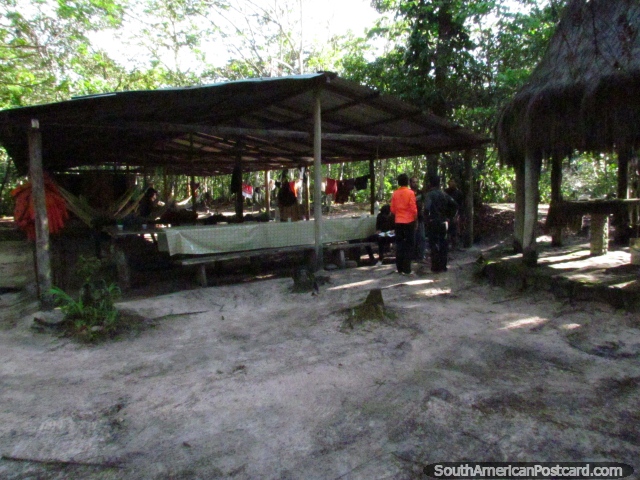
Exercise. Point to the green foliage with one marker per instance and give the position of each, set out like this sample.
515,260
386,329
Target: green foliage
461,59
93,315
42,43
8,178
585,176
494,183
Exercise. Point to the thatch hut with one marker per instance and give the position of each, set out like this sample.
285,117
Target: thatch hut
584,95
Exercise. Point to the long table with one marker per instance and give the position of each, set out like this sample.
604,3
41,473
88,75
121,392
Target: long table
204,239
207,243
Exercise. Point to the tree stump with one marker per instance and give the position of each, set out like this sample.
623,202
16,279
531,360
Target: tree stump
371,310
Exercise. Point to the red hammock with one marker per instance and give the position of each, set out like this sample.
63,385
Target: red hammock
24,214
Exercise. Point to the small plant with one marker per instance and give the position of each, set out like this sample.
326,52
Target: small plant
93,315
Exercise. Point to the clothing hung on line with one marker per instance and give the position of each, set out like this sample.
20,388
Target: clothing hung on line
247,191
331,187
361,182
344,189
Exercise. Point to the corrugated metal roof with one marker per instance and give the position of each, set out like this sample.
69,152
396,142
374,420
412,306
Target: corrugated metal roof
203,130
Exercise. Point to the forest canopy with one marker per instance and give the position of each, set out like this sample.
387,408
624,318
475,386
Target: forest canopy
460,59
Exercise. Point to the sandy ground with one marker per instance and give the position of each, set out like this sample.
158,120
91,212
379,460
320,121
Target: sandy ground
253,381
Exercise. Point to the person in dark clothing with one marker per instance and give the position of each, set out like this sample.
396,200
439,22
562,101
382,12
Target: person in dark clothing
148,203
384,231
420,242
454,223
438,208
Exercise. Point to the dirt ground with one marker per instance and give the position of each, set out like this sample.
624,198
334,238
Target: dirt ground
249,380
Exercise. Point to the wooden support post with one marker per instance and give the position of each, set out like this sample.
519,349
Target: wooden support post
202,275
467,240
165,184
122,266
267,192
307,194
192,187
372,179
621,221
531,177
518,227
317,179
43,260
239,198
556,196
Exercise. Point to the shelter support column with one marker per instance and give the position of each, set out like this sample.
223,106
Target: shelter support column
556,196
239,200
599,232
467,240
267,192
372,179
43,259
621,220
531,177
193,192
317,179
518,225
307,194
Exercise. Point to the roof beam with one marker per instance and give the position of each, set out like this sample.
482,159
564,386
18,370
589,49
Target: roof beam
290,134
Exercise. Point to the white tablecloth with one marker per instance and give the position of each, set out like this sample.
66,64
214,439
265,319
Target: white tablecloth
199,240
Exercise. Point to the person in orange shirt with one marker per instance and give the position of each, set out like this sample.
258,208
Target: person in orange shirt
405,210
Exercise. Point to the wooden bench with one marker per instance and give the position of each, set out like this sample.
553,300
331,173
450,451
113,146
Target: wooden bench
562,213
201,262
342,248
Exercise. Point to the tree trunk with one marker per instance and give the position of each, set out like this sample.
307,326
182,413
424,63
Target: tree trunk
432,166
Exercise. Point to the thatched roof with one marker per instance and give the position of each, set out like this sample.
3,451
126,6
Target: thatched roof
268,122
585,93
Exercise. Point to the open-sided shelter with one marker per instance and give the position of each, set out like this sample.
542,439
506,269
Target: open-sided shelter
584,95
259,124
266,123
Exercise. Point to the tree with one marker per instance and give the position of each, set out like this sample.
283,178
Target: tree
457,58
44,49
170,37
269,39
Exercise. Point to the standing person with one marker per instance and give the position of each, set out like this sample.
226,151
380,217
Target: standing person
454,225
420,240
405,210
438,208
